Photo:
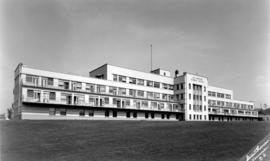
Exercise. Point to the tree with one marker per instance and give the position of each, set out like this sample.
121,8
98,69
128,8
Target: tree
176,73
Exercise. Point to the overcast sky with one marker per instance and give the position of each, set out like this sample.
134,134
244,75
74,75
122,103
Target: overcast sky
226,40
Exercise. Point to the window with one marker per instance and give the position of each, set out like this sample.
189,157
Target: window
170,87
189,96
101,89
128,114
156,84
152,115
150,95
177,86
165,86
140,82
146,115
204,89
171,97
140,93
122,91
82,112
122,79
222,103
90,87
91,113
189,86
92,101
204,117
30,93
106,100
162,116
113,90
222,95
228,96
157,96
145,104
182,86
190,117
204,108
52,96
204,98
114,77
32,79
114,101
164,96
79,99
241,112
200,117
134,114
209,93
114,113
161,105
50,81
149,83
177,97
107,113
77,86
168,116
170,107
137,104
153,105
64,97
63,112
52,111
189,106
132,80
127,102
132,92
29,78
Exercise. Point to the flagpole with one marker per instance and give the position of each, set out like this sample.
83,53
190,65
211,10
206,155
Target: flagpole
151,56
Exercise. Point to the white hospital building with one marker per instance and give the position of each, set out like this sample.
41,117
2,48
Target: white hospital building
112,92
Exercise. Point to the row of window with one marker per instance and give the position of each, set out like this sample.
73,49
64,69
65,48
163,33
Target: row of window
219,95
196,97
197,117
229,104
83,112
195,87
220,118
197,108
80,99
142,82
227,111
95,88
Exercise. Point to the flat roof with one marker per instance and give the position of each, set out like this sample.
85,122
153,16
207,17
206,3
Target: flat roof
131,69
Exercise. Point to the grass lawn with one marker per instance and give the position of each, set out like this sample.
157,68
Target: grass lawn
128,140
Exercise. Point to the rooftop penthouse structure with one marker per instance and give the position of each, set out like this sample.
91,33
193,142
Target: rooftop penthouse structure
112,92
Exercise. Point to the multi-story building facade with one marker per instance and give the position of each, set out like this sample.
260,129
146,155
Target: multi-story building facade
112,92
